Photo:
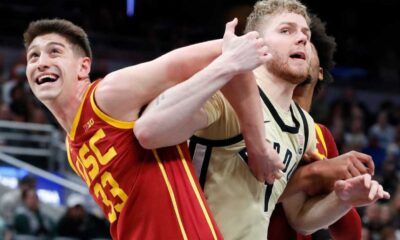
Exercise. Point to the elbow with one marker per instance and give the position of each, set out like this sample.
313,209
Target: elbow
302,225
144,135
303,230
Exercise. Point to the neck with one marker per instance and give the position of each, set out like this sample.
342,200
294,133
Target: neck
64,108
303,96
278,90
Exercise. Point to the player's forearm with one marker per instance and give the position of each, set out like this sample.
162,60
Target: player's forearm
184,62
340,230
242,94
316,213
300,180
174,115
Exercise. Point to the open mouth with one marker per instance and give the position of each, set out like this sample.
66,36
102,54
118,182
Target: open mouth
46,78
298,55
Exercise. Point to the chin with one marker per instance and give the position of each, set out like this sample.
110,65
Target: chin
297,76
43,97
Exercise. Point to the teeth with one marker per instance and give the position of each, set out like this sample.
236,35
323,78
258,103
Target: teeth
46,76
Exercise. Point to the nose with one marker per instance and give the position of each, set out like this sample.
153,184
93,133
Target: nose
43,62
302,38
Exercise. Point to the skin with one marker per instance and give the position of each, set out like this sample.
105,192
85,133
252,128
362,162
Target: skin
285,34
52,55
345,166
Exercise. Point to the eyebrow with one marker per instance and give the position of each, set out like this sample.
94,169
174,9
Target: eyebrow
48,44
305,30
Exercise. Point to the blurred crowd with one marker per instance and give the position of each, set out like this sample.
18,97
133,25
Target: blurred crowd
24,217
354,124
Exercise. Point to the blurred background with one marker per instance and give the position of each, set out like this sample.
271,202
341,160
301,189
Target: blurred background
362,106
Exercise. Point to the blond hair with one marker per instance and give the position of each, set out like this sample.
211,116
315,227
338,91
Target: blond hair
264,8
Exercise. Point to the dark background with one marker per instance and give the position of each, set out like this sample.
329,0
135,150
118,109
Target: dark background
361,108
366,30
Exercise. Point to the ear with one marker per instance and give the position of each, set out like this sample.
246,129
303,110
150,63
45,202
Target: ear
84,68
320,74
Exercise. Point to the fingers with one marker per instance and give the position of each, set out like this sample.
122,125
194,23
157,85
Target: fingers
270,179
230,28
367,180
261,43
278,174
367,160
380,193
354,171
386,195
373,190
347,175
361,167
255,36
311,157
340,185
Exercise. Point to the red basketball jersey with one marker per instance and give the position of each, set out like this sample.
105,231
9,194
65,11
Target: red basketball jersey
279,228
145,194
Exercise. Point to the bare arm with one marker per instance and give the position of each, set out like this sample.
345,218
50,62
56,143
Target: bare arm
326,172
242,93
309,215
178,108
121,94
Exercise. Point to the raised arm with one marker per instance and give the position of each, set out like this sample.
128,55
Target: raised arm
179,108
308,215
121,94
242,93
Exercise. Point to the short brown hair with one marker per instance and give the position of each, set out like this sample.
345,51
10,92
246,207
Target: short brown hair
263,8
73,33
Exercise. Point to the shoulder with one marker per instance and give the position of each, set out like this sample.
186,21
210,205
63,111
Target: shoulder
112,95
325,131
222,120
215,107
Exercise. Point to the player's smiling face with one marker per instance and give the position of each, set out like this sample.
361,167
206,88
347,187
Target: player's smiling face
288,37
53,67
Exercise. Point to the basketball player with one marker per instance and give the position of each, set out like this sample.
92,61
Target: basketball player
242,205
145,194
319,178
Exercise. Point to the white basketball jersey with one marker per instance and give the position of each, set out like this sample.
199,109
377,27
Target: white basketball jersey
242,205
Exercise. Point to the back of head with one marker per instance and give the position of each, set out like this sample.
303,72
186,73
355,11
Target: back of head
27,182
73,33
325,46
265,8
75,199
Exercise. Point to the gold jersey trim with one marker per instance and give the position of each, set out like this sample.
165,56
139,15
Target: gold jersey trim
171,194
113,122
74,126
69,156
322,139
197,193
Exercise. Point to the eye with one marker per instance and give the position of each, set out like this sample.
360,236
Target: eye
32,56
285,31
55,51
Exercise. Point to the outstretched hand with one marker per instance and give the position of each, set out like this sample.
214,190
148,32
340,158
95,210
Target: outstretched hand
245,52
360,191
